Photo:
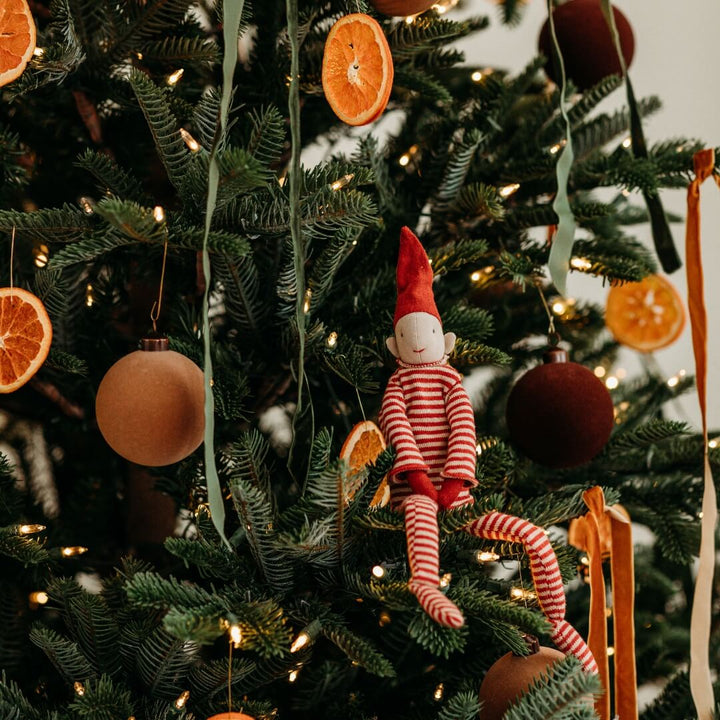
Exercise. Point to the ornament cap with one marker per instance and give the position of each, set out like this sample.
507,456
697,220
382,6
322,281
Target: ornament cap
555,355
154,344
533,644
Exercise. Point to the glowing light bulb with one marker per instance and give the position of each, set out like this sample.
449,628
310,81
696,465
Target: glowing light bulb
384,618
611,382
174,78
332,339
189,140
404,160
79,689
580,263
477,76
483,556
559,307
439,692
39,598
509,190
476,276
89,298
38,52
41,255
627,142
518,593
378,571
306,304
600,371
182,700
30,529
343,181
235,635
159,214
445,580
74,550
610,651
300,642
292,676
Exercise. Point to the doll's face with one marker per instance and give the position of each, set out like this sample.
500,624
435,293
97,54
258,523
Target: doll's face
419,339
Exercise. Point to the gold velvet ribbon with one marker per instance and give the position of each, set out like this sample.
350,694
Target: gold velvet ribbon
606,532
700,679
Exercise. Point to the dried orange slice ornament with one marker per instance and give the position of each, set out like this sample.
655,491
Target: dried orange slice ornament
17,39
357,70
362,447
647,315
25,337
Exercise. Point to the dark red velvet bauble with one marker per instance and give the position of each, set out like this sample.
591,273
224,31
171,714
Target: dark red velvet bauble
401,8
510,677
586,43
559,414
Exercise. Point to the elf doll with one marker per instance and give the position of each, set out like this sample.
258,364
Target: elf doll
427,417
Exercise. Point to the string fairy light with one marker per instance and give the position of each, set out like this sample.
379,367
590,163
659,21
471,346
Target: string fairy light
675,379
192,144
38,52
235,635
626,143
30,529
79,688
182,700
306,304
174,77
580,263
86,205
73,550
305,636
445,580
378,571
89,297
41,255
292,675
521,593
484,556
611,382
332,339
384,618
342,182
600,371
439,692
39,597
508,190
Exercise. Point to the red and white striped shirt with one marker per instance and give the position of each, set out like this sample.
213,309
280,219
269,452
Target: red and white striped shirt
427,417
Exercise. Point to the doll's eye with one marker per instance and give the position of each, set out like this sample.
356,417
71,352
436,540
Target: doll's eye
401,335
433,331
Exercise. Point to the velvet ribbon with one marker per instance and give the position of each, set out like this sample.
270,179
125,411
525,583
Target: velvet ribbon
232,12
662,237
606,532
700,679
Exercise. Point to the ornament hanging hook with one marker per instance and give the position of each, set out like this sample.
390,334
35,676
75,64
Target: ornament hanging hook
12,260
553,334
159,214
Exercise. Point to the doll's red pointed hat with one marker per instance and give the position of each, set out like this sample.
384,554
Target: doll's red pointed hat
414,278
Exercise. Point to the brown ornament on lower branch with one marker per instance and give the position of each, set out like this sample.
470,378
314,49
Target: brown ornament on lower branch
150,405
559,414
511,676
402,8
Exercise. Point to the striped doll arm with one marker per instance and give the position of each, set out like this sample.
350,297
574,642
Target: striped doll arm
462,442
398,432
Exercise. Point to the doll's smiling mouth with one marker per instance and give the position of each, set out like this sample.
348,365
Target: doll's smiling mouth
420,350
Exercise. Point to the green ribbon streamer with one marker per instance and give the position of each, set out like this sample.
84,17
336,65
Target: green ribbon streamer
662,237
295,181
561,250
232,13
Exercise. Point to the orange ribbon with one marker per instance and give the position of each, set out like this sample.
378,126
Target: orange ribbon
700,679
606,532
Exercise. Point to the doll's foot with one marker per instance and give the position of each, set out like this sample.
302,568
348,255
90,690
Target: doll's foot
443,611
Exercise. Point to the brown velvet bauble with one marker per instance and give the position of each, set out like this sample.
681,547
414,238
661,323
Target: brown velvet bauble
510,677
587,46
150,405
559,414
402,8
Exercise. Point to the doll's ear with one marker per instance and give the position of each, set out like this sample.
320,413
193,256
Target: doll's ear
392,346
450,339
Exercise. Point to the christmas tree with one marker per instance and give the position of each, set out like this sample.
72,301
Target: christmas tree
151,191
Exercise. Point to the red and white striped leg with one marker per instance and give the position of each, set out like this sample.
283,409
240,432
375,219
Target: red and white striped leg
545,574
421,528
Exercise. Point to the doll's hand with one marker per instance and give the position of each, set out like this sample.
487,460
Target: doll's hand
449,491
421,484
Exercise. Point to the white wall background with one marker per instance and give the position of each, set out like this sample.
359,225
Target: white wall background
676,58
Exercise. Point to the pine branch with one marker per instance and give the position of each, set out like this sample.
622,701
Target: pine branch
103,699
65,655
153,102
